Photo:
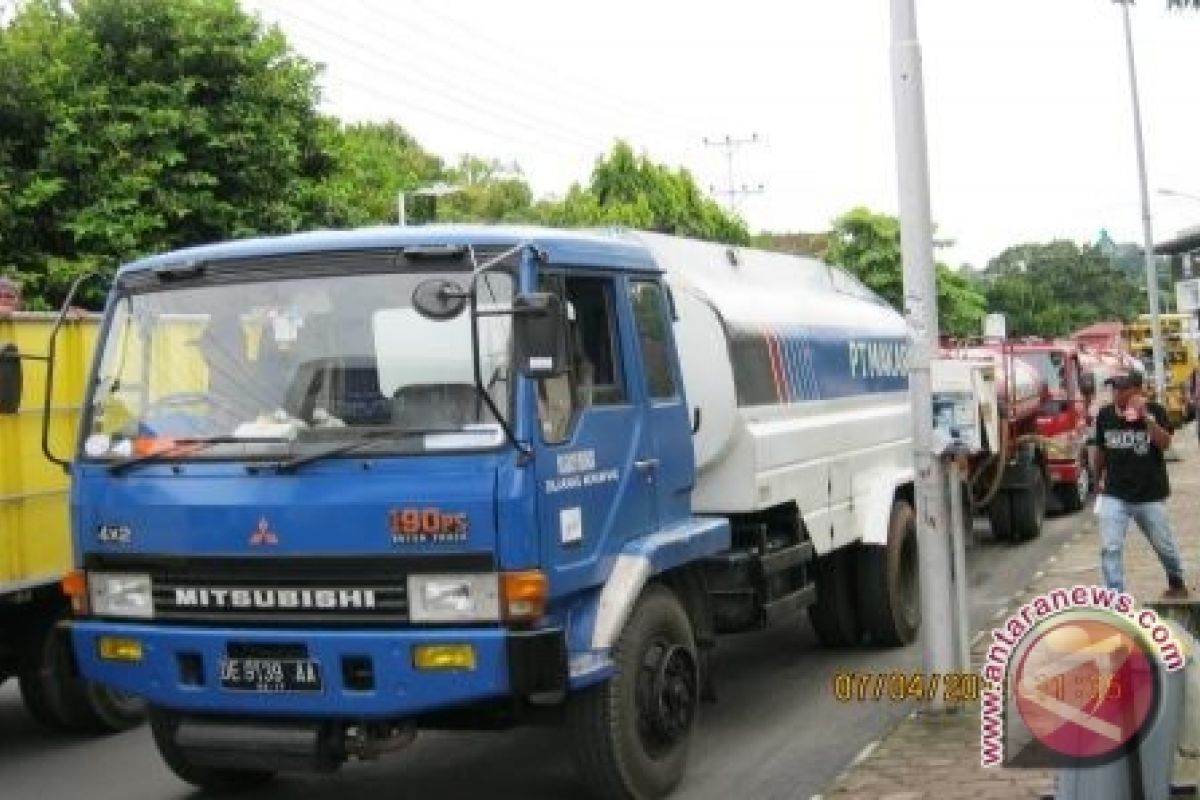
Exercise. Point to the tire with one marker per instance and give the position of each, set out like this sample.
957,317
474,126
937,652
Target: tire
33,696
114,710
1000,517
1074,496
52,694
834,616
222,780
888,582
1029,505
631,735
60,700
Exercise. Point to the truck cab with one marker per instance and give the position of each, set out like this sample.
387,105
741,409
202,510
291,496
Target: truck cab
1062,419
328,484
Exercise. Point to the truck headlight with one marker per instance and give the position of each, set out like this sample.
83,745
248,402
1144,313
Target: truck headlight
121,594
454,598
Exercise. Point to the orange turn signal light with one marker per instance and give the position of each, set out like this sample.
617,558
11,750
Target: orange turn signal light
524,595
74,586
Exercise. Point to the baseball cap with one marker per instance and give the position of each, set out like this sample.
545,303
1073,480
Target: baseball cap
1128,380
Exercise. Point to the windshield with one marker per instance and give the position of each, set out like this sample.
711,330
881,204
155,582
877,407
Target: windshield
275,364
1051,366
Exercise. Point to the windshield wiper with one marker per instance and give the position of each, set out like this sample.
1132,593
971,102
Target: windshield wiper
182,446
364,439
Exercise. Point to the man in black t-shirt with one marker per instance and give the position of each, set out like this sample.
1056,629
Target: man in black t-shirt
1131,436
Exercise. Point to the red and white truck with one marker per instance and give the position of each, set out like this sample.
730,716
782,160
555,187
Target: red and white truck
1040,459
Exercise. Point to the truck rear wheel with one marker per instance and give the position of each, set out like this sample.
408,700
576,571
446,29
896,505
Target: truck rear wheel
1000,517
834,616
631,734
888,581
1029,505
163,725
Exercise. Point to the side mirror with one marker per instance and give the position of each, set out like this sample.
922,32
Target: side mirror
1087,383
10,379
540,334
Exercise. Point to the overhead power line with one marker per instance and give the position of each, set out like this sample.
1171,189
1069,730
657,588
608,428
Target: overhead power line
562,88
491,113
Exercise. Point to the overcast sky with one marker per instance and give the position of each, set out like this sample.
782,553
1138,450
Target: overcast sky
1030,128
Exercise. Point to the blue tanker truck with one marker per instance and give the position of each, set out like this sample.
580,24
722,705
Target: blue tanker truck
335,488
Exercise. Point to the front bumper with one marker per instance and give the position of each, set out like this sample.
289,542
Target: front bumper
1064,472
508,663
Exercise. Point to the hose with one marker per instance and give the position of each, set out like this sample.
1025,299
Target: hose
994,489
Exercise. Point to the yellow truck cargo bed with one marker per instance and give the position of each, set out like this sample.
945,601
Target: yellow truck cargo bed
35,543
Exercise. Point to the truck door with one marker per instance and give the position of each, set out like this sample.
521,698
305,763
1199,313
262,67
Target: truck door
667,460
592,496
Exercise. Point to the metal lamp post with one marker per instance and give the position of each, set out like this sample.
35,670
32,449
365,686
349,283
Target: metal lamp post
939,604
1147,232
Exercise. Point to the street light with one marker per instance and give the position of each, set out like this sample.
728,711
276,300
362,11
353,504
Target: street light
436,190
1151,268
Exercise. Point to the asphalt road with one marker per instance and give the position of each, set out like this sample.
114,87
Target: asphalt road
776,732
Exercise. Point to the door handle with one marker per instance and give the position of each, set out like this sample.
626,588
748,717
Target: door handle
646,464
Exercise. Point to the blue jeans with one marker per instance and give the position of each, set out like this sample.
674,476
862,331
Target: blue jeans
1152,519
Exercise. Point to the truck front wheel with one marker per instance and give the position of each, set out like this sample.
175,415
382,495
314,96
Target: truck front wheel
163,725
630,735
1073,496
59,699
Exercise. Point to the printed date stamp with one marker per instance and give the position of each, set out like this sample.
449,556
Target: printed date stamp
902,687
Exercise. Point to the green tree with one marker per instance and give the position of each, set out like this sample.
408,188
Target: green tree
132,126
373,163
868,245
488,191
797,244
1054,288
633,191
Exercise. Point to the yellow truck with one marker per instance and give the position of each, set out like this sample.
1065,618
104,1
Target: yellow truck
1179,353
35,540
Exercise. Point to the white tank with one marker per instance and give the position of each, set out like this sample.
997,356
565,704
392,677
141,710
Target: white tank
1027,382
800,374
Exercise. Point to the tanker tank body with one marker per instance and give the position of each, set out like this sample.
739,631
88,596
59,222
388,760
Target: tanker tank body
797,379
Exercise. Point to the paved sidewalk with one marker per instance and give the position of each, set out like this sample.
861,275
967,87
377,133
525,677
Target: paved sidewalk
938,756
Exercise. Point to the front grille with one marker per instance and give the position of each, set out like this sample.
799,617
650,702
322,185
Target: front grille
279,590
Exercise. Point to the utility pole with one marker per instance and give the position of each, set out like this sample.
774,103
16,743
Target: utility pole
730,145
938,602
1152,286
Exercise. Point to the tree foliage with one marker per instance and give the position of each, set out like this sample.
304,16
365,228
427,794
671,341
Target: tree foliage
797,244
1054,288
633,191
487,191
131,126
868,245
373,163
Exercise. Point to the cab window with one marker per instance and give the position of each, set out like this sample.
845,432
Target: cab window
650,313
593,377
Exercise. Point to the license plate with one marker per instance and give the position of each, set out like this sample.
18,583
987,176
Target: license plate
271,674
